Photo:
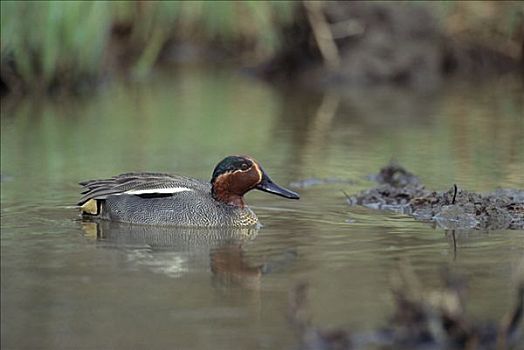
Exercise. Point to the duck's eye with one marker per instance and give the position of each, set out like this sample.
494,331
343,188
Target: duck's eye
244,166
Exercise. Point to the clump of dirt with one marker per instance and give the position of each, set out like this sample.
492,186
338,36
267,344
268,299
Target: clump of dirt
422,319
402,192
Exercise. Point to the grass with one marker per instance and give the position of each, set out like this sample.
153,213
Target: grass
498,25
53,43
47,40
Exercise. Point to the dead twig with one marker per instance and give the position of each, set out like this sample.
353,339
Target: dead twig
322,33
455,189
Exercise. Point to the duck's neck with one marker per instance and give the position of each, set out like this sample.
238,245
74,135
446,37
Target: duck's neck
222,195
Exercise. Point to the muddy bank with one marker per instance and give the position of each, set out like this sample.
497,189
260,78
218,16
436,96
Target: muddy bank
400,191
367,43
422,319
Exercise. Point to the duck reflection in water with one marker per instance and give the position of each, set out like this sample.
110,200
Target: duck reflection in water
175,250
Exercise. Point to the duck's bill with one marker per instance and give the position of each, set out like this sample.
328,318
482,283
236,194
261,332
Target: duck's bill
269,186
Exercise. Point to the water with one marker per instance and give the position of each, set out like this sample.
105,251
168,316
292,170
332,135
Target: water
64,288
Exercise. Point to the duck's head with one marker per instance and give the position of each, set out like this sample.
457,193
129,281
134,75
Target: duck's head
236,175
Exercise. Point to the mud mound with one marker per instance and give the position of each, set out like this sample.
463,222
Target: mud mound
402,192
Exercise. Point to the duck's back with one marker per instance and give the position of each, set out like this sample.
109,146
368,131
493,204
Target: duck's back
161,199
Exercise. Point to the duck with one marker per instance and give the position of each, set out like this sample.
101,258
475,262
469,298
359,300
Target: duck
174,200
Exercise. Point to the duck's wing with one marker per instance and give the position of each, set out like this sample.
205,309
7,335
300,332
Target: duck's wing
140,184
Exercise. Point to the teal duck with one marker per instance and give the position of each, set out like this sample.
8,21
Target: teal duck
174,200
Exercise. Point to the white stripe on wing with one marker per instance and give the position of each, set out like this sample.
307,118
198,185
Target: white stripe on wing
159,190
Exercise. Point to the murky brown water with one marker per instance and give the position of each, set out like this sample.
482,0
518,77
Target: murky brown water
62,288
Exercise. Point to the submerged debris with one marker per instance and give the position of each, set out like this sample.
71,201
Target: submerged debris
401,191
395,175
313,181
423,319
